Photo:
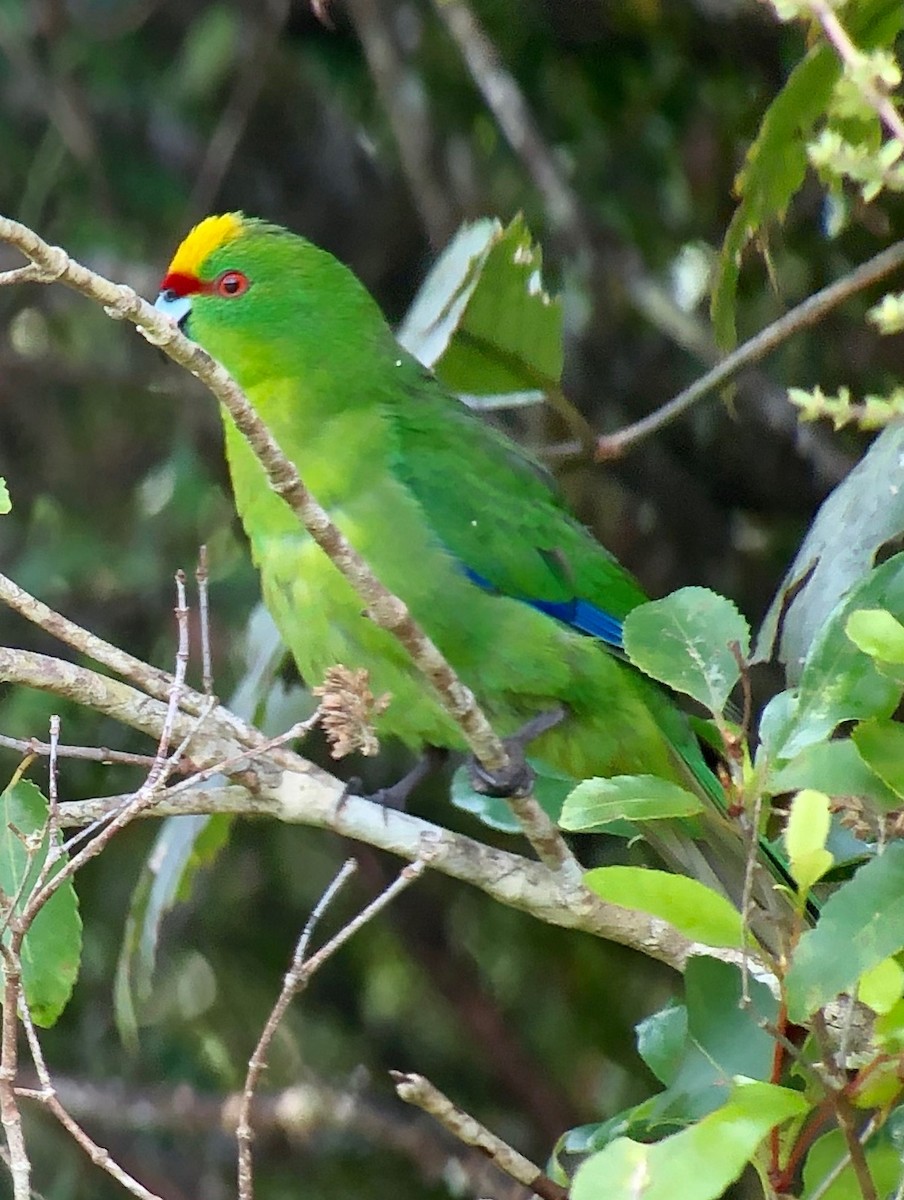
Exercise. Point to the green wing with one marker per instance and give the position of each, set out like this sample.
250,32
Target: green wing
497,512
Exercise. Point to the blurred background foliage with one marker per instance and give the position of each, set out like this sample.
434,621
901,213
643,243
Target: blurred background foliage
123,121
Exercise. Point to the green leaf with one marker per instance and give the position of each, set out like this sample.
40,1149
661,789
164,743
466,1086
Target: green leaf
775,167
777,161
439,305
550,789
882,985
835,768
861,924
698,1163
684,641
806,833
838,681
52,948
724,1038
482,319
698,911
877,633
883,1159
596,803
661,1039
880,743
860,517
183,846
5,503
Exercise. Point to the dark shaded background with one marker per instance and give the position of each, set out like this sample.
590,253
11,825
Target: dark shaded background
122,123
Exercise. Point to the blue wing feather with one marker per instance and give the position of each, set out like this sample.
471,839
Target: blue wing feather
579,614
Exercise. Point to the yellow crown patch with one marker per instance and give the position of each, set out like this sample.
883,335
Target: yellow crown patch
206,237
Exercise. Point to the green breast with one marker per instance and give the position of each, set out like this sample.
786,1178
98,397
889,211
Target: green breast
516,660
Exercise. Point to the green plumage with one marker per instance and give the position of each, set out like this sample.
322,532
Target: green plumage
427,493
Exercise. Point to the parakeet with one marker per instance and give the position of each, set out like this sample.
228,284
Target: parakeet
454,518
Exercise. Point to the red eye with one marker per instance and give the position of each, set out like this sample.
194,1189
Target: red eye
231,283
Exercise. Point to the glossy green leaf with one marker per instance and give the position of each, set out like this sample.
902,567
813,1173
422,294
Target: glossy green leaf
838,681
724,1038
696,910
5,503
806,833
835,768
882,985
661,1040
880,743
52,948
685,640
883,1159
860,517
483,320
877,633
698,1163
596,803
860,925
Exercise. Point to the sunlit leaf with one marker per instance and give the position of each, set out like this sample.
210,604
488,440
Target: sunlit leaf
806,833
696,910
686,641
698,1163
860,925
483,320
880,743
52,948
877,633
596,803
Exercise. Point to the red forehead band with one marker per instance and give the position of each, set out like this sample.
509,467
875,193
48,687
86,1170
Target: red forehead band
184,285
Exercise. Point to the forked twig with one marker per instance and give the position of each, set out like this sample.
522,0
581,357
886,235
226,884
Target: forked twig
296,980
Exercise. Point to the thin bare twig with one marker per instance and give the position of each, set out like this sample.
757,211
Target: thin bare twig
27,274
809,312
297,978
202,578
155,775
53,801
23,909
10,1117
47,1096
99,754
415,1089
825,1184
153,680
258,1061
145,798
305,794
302,1112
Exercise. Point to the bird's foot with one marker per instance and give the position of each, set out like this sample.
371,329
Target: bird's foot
517,779
397,794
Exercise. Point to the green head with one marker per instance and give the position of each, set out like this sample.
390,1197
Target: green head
267,303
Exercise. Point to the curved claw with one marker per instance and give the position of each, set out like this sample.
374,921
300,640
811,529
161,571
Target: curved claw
517,779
